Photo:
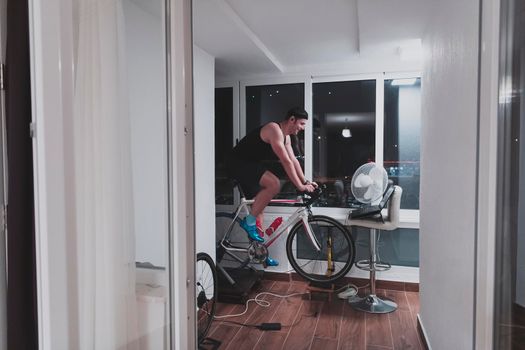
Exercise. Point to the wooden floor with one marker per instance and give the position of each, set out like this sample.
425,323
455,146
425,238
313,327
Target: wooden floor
512,334
316,324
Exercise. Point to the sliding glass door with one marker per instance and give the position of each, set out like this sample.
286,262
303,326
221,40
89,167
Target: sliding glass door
509,313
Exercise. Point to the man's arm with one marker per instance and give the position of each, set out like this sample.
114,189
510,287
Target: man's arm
296,164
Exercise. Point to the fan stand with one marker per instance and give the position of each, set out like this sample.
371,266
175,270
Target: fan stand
372,303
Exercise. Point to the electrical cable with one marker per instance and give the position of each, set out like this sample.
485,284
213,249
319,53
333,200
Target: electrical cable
260,302
242,324
266,303
260,326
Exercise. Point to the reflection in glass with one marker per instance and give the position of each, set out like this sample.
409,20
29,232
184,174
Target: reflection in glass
145,62
223,143
343,135
402,137
120,156
267,103
398,247
509,300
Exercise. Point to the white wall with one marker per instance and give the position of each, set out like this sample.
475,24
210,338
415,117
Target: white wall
448,173
145,55
204,124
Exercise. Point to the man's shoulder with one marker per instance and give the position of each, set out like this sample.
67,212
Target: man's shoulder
270,126
271,132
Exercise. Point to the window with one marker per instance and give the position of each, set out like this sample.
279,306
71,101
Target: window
343,135
398,247
266,103
223,143
352,122
401,137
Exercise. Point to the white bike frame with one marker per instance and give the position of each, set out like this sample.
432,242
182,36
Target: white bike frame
301,214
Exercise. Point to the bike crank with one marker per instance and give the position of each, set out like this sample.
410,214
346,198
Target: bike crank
257,252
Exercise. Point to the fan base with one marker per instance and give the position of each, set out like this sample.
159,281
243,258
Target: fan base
373,304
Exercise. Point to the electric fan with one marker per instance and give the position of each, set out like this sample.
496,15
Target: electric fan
369,183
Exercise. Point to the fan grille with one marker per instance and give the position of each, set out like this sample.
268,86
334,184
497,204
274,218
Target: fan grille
369,182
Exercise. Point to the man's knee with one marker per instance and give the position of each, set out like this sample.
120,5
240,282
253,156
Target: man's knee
275,186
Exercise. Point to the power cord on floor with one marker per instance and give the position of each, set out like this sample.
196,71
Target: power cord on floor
260,302
273,326
266,303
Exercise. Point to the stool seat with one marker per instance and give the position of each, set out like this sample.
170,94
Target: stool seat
388,222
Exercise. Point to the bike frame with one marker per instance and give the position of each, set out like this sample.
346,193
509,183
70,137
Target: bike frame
300,215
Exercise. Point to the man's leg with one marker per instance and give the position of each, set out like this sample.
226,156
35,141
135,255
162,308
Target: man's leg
270,187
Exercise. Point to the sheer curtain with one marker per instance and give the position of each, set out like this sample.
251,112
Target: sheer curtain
106,277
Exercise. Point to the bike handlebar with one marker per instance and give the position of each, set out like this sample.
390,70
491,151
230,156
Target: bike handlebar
311,197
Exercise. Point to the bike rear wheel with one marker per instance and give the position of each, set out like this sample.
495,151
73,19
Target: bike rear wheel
335,258
206,293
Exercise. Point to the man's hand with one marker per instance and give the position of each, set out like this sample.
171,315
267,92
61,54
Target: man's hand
307,188
308,182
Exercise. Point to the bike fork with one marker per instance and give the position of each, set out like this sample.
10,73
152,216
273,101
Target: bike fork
310,234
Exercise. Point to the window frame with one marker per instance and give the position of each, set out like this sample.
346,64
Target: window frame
409,218
341,214
236,121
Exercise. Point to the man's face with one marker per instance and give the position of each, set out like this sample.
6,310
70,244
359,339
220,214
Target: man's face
298,125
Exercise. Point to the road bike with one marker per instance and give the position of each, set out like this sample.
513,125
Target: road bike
318,247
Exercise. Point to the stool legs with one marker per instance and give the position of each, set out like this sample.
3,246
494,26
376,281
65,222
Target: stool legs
372,303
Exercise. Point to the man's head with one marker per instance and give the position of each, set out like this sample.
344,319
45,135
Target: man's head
296,112
295,120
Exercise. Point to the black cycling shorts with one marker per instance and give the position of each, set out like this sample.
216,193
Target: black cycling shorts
248,174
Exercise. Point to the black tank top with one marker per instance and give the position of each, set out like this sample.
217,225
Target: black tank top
253,148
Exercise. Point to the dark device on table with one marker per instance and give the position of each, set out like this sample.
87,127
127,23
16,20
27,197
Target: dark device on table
372,210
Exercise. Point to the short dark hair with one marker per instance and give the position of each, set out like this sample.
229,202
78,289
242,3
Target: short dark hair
297,112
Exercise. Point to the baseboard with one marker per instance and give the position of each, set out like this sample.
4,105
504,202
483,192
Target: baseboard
278,276
422,334
380,284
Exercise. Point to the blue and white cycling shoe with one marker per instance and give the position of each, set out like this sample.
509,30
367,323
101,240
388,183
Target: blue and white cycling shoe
251,229
271,262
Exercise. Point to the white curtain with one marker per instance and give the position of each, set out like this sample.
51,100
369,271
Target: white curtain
106,277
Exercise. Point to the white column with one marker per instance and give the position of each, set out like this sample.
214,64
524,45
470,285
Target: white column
51,50
182,195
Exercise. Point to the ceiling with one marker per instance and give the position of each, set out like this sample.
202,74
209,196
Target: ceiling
255,37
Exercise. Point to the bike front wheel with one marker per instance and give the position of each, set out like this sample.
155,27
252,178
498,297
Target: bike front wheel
206,293
332,261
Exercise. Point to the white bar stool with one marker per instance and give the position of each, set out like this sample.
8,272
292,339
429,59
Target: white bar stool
372,303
